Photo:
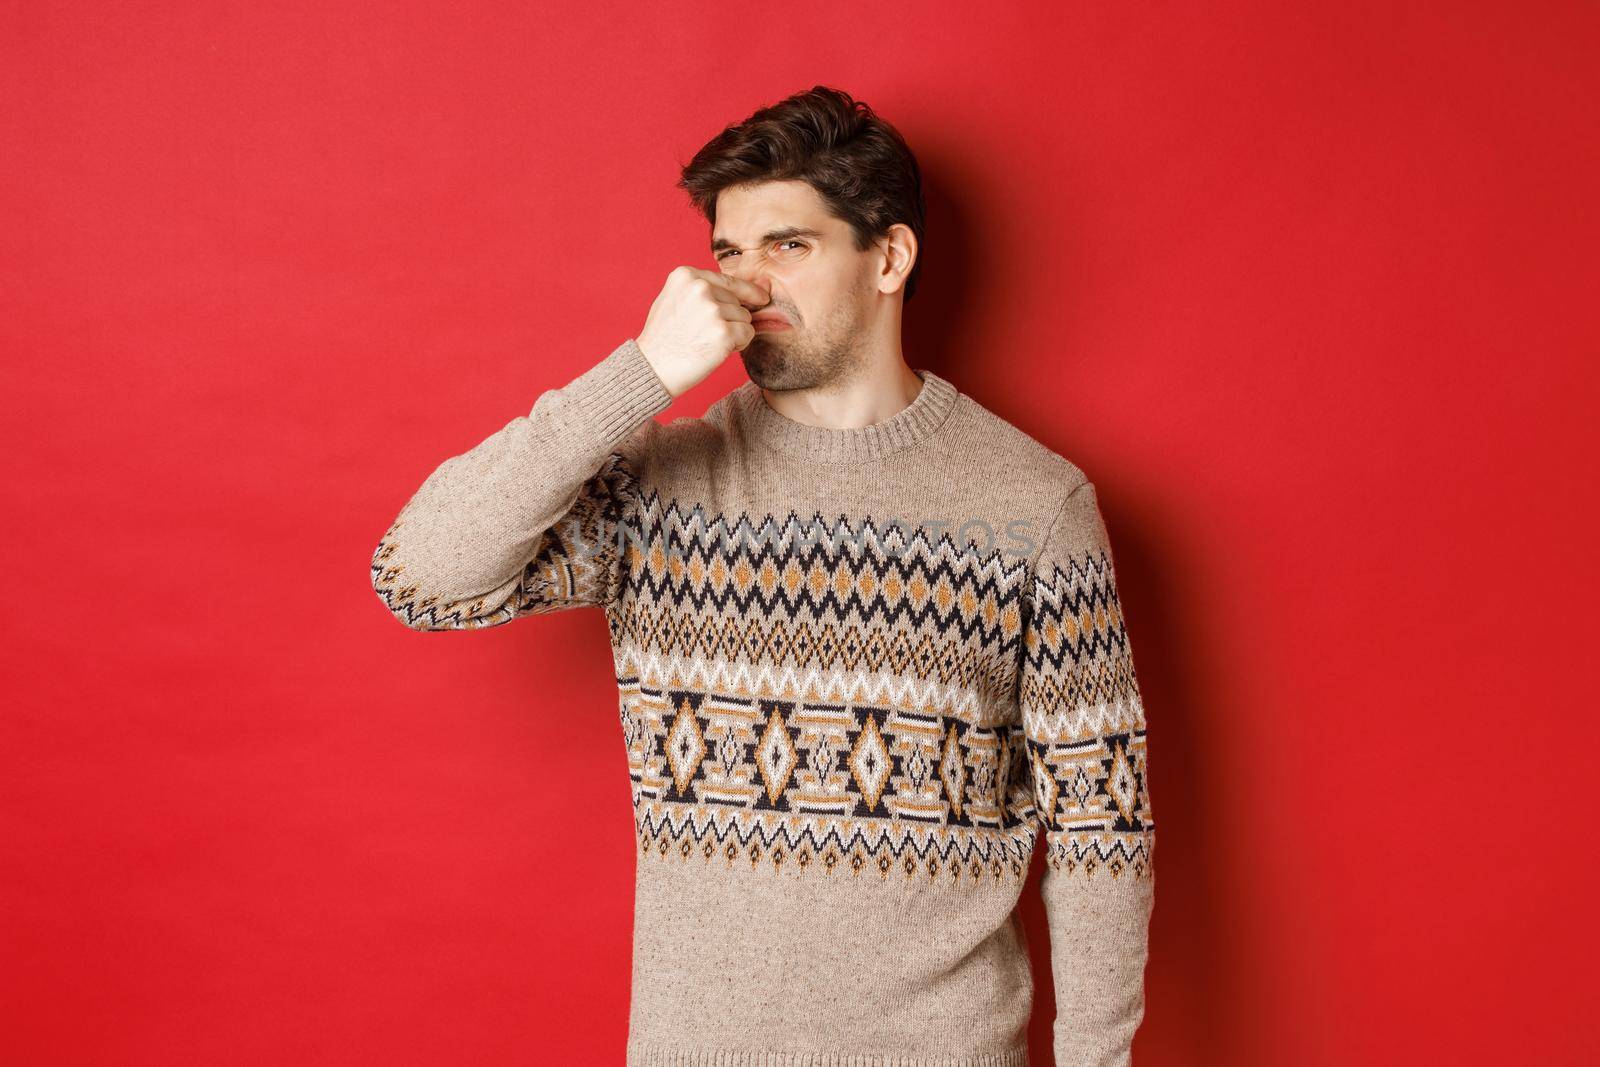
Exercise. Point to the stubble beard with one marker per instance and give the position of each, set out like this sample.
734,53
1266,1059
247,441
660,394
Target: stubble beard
788,359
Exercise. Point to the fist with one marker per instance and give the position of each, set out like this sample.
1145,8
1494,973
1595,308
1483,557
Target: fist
697,320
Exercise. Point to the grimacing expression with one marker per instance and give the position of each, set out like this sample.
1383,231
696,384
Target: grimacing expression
781,233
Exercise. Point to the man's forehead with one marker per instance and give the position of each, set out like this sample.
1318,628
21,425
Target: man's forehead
752,213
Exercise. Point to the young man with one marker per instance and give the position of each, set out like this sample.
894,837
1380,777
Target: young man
866,633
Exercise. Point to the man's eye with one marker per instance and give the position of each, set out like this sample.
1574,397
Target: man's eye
777,247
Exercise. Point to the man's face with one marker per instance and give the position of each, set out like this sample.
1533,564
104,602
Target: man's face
821,286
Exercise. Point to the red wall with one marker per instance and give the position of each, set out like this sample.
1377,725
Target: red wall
1308,289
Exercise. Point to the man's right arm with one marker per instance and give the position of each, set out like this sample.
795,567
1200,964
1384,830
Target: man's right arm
527,522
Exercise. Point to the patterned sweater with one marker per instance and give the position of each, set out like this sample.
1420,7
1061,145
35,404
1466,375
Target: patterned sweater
858,671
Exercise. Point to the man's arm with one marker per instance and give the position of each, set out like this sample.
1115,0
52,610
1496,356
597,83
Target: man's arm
525,523
1085,729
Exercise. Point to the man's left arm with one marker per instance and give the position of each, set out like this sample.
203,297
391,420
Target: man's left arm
1085,729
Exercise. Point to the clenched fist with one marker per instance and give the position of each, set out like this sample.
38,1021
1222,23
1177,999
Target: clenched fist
697,320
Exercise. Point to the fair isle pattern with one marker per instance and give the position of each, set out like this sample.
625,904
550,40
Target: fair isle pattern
842,696
1085,723
786,602
575,564
828,787
834,696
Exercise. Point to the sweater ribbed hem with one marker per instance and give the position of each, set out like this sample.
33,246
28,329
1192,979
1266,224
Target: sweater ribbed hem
612,398
928,411
645,1055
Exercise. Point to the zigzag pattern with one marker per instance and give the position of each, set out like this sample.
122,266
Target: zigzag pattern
1084,722
684,833
862,573
1078,678
797,598
797,650
846,681
1119,854
429,612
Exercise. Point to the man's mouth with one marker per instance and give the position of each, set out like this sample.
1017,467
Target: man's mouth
763,323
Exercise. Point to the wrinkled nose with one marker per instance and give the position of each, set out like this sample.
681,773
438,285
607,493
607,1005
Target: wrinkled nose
749,265
758,276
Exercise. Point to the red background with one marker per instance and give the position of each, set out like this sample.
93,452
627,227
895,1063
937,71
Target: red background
1308,289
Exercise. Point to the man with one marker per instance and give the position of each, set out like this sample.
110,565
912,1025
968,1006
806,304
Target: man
867,641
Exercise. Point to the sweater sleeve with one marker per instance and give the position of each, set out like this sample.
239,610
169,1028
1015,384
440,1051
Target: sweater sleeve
527,522
1085,731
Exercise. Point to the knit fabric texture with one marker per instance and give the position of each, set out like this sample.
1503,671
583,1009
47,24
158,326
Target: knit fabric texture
861,674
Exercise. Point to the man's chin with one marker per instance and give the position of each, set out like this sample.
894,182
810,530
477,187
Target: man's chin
762,362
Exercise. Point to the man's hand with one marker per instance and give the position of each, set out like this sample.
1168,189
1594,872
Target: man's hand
697,320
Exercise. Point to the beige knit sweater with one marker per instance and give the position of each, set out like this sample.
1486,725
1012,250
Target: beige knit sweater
859,670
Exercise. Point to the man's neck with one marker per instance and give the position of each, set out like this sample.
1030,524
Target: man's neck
871,396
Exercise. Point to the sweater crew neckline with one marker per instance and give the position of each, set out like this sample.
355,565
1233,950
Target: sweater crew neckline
928,411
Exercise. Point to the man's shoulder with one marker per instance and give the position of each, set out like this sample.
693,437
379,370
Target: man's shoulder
1002,445
693,440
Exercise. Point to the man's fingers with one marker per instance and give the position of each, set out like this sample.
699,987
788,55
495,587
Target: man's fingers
743,291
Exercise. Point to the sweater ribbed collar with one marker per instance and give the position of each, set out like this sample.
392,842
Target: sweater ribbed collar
927,411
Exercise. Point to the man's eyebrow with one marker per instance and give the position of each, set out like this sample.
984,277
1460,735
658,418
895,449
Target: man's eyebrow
784,234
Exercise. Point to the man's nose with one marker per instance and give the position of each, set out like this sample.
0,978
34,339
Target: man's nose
756,273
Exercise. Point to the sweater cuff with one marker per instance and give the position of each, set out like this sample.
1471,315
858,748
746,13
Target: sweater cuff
612,398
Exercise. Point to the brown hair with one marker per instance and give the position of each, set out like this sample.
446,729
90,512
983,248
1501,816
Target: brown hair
858,163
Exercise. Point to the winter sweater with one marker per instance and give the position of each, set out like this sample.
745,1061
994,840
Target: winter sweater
859,672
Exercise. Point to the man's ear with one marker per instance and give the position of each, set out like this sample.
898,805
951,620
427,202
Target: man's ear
899,247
